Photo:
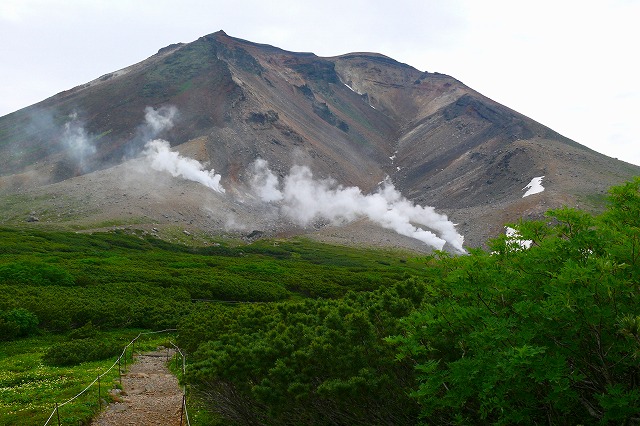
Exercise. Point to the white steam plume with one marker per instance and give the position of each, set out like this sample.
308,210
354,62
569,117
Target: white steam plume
159,120
158,152
77,141
304,200
160,157
264,183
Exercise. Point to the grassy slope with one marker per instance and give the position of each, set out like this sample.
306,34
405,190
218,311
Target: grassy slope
30,389
119,281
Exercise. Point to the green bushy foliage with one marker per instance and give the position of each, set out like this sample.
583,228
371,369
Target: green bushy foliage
312,362
17,323
119,280
80,283
329,335
543,335
8,330
76,351
87,331
34,273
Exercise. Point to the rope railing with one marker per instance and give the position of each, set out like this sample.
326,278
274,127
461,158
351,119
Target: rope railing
228,302
132,343
184,413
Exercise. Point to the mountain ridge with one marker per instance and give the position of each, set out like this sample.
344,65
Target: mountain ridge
357,118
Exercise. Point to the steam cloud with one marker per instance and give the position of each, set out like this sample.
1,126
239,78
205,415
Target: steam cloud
158,153
160,157
78,143
304,199
157,121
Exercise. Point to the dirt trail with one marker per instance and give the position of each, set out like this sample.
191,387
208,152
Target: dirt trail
151,395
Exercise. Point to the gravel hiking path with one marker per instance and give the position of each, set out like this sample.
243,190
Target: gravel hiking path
151,395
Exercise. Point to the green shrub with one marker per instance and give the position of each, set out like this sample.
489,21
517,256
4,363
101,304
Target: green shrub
8,330
87,331
544,335
77,351
17,323
312,362
35,273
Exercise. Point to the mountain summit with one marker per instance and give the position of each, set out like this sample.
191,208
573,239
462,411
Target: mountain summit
237,111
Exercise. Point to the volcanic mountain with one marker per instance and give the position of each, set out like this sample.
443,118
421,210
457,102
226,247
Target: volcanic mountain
356,120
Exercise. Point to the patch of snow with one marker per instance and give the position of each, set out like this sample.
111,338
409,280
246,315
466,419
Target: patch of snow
350,88
398,168
535,186
386,180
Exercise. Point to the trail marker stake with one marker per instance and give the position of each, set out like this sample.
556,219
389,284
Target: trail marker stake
58,413
182,409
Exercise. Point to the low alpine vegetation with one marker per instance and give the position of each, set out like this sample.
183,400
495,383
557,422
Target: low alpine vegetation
311,334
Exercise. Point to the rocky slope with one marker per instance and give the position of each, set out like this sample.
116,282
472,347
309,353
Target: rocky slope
357,118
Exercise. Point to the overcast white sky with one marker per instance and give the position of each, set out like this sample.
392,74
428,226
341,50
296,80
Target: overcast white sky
571,65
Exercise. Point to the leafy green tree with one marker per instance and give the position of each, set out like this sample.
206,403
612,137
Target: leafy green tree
543,335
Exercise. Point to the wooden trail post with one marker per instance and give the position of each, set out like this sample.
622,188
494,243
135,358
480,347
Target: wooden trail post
182,408
58,413
99,394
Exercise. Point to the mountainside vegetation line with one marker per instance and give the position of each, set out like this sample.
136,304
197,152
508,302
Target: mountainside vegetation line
61,281
546,334
549,334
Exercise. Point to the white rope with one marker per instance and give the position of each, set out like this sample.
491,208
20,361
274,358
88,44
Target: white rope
117,360
76,397
110,368
52,413
156,332
177,348
184,388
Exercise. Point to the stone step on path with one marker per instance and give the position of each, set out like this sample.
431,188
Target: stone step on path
151,395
